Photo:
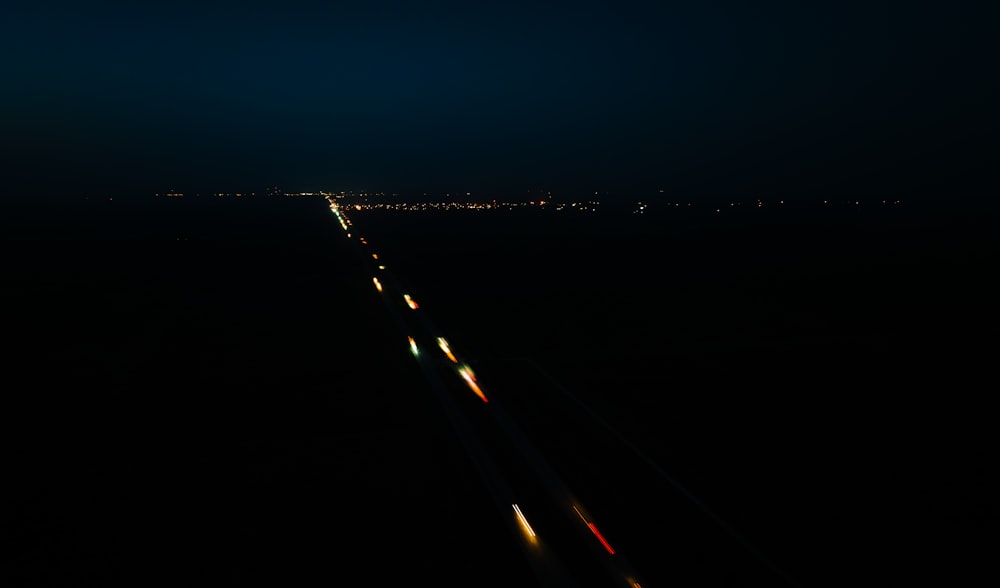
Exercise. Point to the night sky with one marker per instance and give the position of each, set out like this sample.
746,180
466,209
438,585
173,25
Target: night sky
790,98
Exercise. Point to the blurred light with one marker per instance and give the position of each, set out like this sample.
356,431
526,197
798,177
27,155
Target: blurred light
447,350
524,522
601,538
470,379
593,529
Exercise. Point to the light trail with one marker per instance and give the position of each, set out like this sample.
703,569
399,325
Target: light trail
597,533
447,349
524,522
470,379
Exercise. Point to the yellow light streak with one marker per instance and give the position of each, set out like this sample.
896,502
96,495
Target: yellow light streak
524,522
447,350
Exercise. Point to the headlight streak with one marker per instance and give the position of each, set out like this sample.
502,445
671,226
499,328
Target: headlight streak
524,522
447,350
470,379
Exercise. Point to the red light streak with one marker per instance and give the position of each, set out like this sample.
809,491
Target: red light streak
601,538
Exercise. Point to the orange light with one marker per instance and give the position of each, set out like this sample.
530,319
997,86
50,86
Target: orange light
378,284
447,350
470,379
410,302
593,529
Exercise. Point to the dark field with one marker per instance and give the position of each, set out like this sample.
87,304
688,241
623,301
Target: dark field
214,391
816,375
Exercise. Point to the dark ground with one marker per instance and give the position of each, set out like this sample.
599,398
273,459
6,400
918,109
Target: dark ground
227,408
819,376
216,395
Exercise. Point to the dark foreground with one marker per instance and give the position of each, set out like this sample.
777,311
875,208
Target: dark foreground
225,409
818,377
219,396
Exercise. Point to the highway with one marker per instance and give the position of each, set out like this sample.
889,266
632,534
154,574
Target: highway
586,507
